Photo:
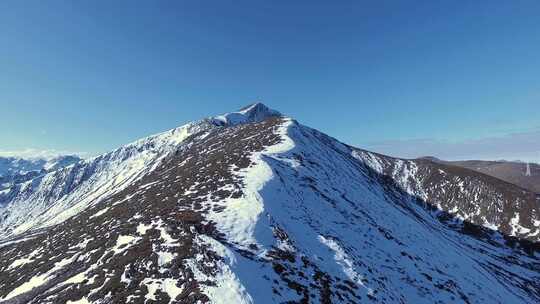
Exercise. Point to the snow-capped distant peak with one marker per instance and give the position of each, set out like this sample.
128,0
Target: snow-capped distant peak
15,165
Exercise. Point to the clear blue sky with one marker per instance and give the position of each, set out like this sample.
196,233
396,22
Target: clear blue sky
386,75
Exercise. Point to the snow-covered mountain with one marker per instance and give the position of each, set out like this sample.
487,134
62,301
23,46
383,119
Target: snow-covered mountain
60,194
14,170
253,207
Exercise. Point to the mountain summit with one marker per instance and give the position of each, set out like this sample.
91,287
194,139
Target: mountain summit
253,207
255,112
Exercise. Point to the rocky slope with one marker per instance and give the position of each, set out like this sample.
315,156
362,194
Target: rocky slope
463,193
252,207
525,175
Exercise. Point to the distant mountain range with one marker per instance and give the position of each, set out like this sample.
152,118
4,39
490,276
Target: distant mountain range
525,175
253,207
15,170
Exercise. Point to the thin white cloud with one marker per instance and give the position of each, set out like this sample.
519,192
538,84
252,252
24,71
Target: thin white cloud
524,146
31,153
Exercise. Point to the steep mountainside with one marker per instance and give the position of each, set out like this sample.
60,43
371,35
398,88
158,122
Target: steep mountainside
252,207
465,194
525,175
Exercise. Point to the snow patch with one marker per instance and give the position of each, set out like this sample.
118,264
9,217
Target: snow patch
83,300
99,213
123,242
142,228
343,260
39,280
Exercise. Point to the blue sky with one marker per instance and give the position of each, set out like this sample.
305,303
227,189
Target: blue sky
407,78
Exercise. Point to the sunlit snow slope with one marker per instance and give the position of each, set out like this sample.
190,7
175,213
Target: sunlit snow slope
252,207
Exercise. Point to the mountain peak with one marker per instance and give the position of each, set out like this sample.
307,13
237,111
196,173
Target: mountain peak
254,112
256,105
